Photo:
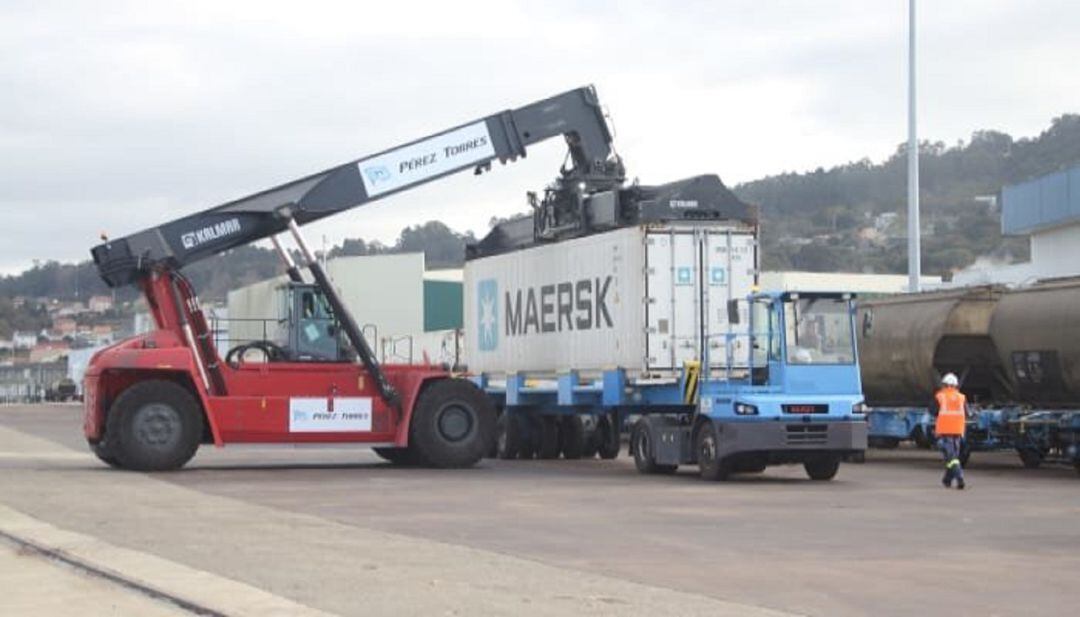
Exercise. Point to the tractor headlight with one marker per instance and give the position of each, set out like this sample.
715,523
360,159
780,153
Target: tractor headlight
860,407
744,409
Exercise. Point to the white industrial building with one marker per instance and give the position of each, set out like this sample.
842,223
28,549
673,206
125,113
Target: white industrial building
403,309
858,283
1047,211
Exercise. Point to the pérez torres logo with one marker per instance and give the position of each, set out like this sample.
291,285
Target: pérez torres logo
377,174
487,293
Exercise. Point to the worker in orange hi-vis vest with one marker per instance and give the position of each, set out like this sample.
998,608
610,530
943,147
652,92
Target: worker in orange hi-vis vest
949,428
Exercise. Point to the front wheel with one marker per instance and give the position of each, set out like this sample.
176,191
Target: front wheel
453,424
153,426
822,469
707,445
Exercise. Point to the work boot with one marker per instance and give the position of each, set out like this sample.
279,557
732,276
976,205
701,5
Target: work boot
947,483
960,484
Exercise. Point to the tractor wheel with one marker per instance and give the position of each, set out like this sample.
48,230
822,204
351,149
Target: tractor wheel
608,439
571,437
822,469
508,436
397,456
453,423
707,445
153,426
644,460
549,437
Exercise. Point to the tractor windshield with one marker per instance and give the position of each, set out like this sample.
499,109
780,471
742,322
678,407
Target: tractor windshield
818,331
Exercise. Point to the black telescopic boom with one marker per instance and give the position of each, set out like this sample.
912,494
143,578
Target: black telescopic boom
576,115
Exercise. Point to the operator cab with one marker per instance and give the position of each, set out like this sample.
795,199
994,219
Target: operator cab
305,330
794,331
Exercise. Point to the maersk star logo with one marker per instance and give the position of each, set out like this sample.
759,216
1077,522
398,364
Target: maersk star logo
487,293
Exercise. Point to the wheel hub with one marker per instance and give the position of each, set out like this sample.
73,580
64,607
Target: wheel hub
455,422
157,424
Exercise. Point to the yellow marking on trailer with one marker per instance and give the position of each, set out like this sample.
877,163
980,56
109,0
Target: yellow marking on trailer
691,374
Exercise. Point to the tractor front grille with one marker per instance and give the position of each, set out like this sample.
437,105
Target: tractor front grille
807,434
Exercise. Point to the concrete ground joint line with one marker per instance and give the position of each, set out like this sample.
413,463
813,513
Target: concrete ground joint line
56,554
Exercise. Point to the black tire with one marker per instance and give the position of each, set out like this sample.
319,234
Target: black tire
921,439
153,426
1031,458
590,448
822,469
508,436
641,440
572,437
965,455
453,423
397,456
707,446
608,440
884,443
549,438
105,455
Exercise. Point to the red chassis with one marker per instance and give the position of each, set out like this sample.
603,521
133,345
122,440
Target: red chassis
256,402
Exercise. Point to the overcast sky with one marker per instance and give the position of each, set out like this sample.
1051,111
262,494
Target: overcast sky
116,116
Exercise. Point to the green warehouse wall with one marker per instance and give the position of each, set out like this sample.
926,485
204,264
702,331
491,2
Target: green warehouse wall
443,302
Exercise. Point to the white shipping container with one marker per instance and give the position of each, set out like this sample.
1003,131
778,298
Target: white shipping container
645,299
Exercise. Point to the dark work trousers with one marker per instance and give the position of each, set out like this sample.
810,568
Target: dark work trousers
950,449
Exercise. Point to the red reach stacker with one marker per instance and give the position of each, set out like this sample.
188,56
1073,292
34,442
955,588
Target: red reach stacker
151,400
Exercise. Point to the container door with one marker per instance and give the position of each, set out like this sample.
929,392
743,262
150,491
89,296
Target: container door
673,299
728,273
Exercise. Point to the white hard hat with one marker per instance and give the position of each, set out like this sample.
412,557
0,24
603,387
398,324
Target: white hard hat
950,380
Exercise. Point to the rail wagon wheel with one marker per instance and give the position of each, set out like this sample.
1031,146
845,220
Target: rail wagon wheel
153,426
453,423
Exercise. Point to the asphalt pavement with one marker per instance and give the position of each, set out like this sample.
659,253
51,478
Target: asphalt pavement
262,530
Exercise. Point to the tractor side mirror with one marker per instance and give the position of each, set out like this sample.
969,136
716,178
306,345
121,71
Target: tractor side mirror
733,311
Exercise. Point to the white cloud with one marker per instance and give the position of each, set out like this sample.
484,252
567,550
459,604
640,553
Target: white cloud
123,115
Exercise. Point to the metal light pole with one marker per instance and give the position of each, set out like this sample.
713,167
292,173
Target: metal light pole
914,251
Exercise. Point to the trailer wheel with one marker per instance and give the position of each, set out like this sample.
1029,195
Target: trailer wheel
641,440
707,445
571,437
608,440
589,449
1031,458
822,469
397,456
549,438
508,436
453,423
155,426
921,439
965,454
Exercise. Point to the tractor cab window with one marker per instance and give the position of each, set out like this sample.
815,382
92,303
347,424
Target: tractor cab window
766,334
818,331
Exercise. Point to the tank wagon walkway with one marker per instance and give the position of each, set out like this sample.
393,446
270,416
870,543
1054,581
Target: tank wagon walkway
291,531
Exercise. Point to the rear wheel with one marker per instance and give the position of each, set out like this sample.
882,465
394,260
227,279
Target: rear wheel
607,437
397,456
105,454
644,459
707,445
571,437
823,468
153,426
453,424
